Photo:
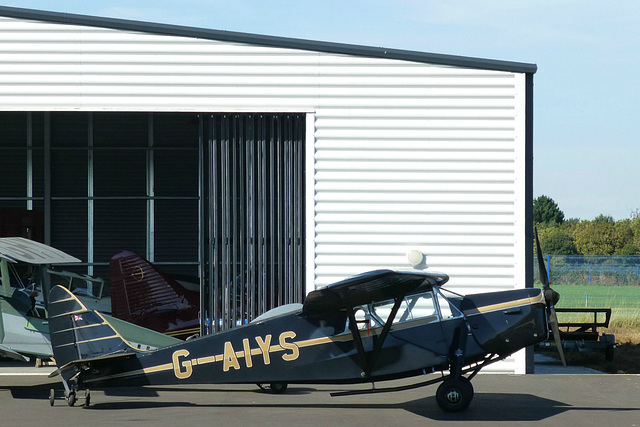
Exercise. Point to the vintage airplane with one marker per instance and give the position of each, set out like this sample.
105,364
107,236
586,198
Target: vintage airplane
27,277
380,325
23,320
144,295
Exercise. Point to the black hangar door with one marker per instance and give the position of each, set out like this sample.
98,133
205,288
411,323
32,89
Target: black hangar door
126,181
95,183
253,216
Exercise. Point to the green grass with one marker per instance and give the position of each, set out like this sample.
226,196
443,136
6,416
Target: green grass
624,302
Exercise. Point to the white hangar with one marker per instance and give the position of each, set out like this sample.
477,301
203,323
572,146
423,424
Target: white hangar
266,166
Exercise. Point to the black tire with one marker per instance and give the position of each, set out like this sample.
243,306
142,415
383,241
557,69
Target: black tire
454,395
87,398
52,397
278,388
609,353
71,400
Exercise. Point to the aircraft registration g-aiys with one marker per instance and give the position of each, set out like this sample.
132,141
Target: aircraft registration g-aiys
380,325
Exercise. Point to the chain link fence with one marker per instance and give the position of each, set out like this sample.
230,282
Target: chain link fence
591,269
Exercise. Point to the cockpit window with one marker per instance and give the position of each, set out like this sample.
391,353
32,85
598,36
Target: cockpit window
448,309
414,307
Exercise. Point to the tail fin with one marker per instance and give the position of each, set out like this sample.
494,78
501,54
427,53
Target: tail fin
144,295
78,333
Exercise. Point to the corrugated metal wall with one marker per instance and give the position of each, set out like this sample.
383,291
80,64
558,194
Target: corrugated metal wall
407,155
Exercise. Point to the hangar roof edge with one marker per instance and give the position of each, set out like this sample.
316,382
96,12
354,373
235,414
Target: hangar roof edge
268,41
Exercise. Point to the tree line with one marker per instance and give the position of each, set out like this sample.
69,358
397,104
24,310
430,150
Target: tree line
600,236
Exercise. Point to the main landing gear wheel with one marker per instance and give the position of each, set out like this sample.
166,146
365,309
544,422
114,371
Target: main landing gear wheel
274,388
454,395
278,388
52,397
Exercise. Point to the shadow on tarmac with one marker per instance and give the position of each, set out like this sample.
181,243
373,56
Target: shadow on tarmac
485,406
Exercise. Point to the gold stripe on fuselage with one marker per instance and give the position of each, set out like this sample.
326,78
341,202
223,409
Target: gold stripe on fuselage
505,305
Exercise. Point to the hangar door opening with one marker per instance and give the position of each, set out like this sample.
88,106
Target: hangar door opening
212,198
253,216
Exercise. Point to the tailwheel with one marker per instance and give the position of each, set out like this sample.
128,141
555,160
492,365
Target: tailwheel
454,395
71,398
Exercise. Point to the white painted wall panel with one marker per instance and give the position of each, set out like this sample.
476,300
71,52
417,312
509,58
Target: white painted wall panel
402,156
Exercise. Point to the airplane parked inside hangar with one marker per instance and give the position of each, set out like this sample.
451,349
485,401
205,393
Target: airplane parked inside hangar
143,293
26,276
377,326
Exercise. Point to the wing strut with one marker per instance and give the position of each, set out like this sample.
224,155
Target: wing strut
357,339
367,363
383,336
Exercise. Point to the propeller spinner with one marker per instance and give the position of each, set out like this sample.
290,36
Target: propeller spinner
551,297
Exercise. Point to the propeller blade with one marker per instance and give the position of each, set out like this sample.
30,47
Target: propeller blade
542,268
553,321
551,297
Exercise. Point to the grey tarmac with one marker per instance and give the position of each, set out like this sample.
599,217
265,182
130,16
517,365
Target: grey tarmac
549,400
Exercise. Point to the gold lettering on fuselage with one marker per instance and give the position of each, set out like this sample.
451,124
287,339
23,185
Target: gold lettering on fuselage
229,359
295,352
264,347
180,374
183,366
247,353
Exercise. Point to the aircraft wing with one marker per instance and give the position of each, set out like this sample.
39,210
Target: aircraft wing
18,249
379,285
11,354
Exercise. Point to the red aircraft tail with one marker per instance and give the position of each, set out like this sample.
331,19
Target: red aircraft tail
143,295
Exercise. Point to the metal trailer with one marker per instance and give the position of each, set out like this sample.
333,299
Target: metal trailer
583,336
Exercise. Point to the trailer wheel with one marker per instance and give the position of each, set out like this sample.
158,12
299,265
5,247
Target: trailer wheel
454,395
609,352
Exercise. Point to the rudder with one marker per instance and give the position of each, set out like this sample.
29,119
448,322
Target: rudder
78,333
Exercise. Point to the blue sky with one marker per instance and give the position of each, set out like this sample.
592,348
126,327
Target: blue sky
587,88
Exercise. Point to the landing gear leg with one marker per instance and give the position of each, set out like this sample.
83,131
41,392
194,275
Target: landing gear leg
70,394
456,392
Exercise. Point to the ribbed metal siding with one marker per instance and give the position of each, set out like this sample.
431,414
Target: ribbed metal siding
407,155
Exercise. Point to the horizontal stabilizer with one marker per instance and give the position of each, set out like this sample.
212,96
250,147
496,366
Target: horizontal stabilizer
71,366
